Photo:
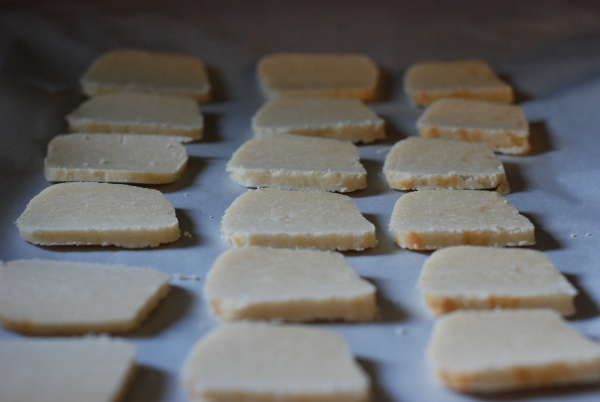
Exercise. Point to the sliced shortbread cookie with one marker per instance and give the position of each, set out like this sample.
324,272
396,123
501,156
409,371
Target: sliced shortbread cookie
120,158
99,214
91,369
503,127
134,70
431,219
422,163
292,285
139,113
344,119
473,79
502,350
45,297
470,277
329,75
290,219
297,162
262,362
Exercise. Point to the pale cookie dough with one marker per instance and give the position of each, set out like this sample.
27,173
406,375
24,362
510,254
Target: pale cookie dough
296,162
290,219
139,113
422,163
431,219
118,158
344,119
261,362
473,79
99,214
328,75
43,297
90,369
133,70
470,277
504,350
503,127
261,283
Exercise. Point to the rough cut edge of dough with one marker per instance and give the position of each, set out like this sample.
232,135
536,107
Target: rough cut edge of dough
325,241
298,180
127,238
361,308
180,133
408,181
501,93
57,174
502,141
120,327
431,240
443,304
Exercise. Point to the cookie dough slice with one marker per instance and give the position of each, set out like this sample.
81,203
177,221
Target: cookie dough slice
291,219
99,214
503,127
296,162
504,350
340,118
261,283
432,219
469,277
329,75
42,297
422,163
139,113
121,158
91,369
472,79
134,70
261,362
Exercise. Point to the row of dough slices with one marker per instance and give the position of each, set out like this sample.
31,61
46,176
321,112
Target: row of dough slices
220,306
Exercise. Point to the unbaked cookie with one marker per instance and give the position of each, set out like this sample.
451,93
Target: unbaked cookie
119,158
431,219
134,70
340,118
473,79
262,362
330,75
99,214
262,283
422,163
469,277
290,219
43,297
296,162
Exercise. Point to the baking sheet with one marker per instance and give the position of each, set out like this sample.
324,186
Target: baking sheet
549,50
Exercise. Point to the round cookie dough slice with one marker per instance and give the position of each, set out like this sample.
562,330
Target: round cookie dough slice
262,362
40,297
432,219
325,75
340,118
470,277
472,79
504,350
296,162
99,214
121,158
262,283
135,70
423,163
139,113
290,219
91,369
